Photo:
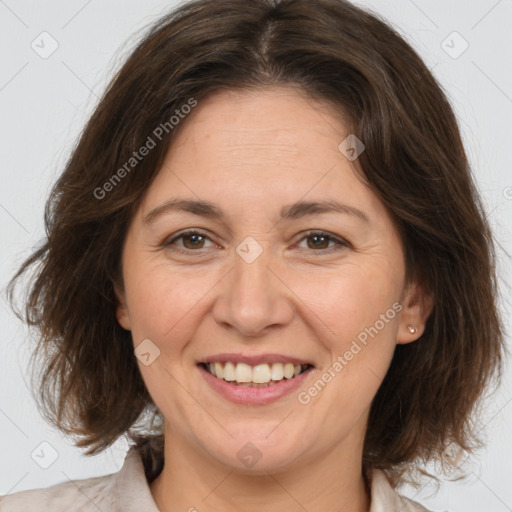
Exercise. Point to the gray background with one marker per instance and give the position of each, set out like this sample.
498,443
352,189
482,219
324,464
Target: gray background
44,103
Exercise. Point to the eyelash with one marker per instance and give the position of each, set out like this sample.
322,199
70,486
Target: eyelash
340,242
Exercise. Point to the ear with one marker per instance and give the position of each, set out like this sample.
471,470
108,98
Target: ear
122,313
417,306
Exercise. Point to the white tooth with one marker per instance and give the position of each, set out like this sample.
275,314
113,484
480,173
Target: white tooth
277,371
288,370
219,372
261,373
296,370
229,372
211,366
243,373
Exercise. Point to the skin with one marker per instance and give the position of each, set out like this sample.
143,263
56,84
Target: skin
251,153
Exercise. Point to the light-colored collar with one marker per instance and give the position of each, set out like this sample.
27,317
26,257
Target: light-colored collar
386,499
132,492
131,489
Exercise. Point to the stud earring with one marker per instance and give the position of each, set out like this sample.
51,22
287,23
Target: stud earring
412,329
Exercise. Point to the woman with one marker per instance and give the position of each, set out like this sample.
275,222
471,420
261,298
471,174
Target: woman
268,240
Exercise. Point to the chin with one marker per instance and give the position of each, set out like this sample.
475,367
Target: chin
254,454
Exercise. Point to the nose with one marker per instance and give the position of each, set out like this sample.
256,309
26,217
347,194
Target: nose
253,297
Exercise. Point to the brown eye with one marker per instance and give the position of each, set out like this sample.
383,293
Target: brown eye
193,241
190,241
319,241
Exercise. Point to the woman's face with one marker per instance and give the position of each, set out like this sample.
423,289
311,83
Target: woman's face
267,278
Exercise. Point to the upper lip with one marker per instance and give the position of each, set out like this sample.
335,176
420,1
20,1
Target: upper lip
253,360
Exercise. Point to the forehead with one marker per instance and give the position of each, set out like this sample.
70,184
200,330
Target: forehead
253,149
281,118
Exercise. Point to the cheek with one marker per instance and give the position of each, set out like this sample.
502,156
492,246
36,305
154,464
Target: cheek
357,312
164,302
350,299
356,316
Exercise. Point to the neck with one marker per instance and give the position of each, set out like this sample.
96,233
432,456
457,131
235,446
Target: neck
190,481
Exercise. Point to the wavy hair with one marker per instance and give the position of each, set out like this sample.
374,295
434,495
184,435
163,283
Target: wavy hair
89,384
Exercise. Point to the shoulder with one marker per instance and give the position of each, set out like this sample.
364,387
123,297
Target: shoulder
386,499
84,495
126,490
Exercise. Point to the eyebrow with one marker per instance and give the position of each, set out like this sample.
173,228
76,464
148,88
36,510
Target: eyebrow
293,211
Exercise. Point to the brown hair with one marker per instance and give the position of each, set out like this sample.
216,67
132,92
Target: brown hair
90,385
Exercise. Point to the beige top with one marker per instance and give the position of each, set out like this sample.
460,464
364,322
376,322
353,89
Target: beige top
128,491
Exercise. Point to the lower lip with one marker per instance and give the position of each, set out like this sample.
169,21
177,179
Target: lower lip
253,395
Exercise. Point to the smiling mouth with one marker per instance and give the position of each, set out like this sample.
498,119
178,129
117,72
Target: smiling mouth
261,375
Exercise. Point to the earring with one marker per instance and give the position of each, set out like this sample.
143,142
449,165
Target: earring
412,329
